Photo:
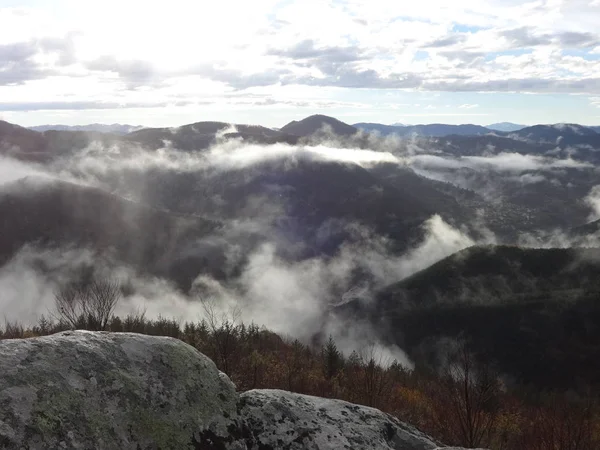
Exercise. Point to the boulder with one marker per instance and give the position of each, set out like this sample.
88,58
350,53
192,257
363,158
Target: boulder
96,390
84,390
287,421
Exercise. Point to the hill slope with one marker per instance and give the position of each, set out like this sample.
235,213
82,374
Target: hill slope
15,139
495,275
534,311
59,214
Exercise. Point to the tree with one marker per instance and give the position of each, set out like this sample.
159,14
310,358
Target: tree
87,304
332,359
470,393
224,330
375,376
564,421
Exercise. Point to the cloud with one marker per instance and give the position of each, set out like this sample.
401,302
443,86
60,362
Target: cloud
291,298
516,162
288,295
503,162
307,49
28,281
24,61
524,37
426,47
134,72
447,41
12,170
593,201
97,160
82,105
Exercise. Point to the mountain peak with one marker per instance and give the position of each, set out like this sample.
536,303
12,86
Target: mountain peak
505,126
315,123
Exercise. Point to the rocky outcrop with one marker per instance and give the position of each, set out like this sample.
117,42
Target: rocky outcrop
284,420
84,390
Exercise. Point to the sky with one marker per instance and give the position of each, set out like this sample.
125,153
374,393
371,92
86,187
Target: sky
157,63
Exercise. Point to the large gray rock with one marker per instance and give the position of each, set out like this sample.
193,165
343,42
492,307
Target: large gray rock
287,421
82,390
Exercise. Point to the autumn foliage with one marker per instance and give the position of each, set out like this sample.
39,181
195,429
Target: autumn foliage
464,402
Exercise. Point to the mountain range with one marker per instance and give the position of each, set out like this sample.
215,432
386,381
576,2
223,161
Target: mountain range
434,234
502,129
115,128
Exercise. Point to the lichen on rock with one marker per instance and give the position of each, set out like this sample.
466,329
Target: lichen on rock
288,421
85,390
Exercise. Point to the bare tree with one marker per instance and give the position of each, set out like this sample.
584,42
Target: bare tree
376,379
224,329
470,393
88,304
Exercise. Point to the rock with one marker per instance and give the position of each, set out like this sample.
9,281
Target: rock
94,390
287,421
83,390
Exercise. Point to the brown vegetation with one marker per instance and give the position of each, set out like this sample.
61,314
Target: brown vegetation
463,403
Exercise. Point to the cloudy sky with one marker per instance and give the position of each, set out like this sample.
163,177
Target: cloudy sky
268,61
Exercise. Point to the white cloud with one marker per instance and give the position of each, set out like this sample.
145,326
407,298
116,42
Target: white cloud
593,201
503,162
186,53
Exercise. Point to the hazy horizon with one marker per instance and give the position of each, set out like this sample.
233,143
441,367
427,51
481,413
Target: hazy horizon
280,125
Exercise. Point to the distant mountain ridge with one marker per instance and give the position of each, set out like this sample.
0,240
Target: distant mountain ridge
115,128
505,126
560,133
432,130
200,135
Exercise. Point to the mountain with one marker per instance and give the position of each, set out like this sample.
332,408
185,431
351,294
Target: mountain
595,128
17,140
505,126
433,130
115,128
310,201
26,144
200,135
384,130
23,143
533,311
496,275
561,133
587,230
314,124
59,214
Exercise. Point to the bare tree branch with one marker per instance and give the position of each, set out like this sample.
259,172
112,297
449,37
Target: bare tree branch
88,304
